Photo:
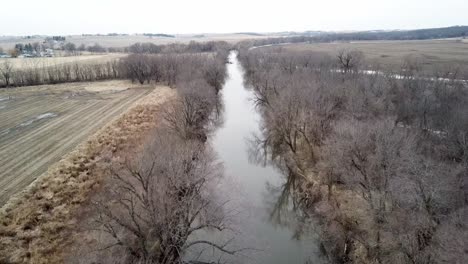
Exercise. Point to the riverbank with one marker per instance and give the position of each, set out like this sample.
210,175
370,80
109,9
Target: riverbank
255,191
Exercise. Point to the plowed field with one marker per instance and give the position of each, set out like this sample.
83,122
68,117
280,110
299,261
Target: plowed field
38,126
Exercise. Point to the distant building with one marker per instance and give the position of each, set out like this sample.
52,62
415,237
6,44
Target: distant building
47,53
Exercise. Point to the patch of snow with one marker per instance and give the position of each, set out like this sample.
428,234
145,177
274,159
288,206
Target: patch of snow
46,115
39,117
27,123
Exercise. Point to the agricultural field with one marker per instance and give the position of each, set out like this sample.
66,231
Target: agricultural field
432,54
41,124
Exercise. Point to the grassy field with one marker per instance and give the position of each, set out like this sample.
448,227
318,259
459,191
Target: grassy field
432,54
41,124
23,63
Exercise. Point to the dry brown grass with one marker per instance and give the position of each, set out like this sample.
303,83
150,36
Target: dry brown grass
31,63
38,224
433,54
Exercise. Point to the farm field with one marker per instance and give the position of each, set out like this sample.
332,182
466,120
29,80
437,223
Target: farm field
28,63
438,54
41,124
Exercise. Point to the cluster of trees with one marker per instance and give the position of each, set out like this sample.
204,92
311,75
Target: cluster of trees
191,47
158,35
97,48
72,49
57,38
380,160
159,199
30,48
198,78
169,68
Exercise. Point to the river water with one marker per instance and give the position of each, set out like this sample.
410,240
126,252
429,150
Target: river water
253,189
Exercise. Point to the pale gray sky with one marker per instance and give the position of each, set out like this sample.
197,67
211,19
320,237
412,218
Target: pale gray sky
27,17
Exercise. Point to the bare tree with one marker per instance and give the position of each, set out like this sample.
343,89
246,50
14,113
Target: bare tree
138,67
159,200
349,60
70,48
6,71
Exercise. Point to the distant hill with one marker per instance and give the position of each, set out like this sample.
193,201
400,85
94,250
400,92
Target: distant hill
319,36
418,34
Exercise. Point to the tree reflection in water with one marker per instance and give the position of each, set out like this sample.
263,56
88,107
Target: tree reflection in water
285,205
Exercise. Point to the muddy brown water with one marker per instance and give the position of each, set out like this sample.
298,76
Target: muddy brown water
251,189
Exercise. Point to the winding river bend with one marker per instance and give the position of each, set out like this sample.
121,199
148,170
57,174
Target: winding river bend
254,188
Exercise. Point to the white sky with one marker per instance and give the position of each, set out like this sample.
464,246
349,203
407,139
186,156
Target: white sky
51,17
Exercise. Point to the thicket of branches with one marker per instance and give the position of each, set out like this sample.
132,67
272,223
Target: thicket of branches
382,160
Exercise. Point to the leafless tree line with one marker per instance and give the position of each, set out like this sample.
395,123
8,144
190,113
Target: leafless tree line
139,66
61,73
191,47
382,159
161,199
165,68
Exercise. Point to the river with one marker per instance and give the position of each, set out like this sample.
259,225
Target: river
253,189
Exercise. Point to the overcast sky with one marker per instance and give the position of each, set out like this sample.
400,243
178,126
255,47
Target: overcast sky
63,17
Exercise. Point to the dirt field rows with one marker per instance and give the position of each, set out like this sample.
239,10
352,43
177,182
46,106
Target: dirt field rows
38,126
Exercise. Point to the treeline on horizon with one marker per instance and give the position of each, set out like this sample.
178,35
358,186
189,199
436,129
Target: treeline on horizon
210,46
419,34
